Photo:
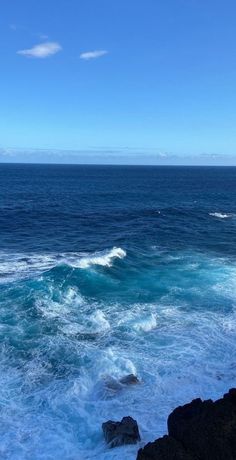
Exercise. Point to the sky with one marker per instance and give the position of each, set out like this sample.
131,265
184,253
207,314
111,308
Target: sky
118,81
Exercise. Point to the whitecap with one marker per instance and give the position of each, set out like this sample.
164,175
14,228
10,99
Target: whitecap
112,363
220,215
146,324
89,325
100,322
20,266
66,301
104,258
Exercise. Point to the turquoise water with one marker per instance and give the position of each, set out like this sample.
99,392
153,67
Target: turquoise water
107,271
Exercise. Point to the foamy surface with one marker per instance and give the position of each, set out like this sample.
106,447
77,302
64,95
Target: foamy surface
104,272
62,346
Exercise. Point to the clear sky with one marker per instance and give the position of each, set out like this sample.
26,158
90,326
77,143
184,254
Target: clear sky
118,81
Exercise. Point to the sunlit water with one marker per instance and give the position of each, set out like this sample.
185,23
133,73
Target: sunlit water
107,271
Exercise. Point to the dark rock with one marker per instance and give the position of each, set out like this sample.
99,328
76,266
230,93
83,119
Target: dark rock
119,433
130,379
112,384
163,449
206,427
200,430
108,387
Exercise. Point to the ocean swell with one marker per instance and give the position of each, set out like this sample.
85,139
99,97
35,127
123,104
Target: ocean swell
20,266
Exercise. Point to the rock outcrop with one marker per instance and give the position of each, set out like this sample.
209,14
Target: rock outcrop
129,379
201,430
165,448
119,433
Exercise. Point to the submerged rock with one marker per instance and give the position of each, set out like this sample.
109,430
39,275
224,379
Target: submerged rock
109,386
112,384
130,379
120,433
200,430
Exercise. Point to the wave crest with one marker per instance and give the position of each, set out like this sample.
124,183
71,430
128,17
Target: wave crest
19,266
220,215
100,258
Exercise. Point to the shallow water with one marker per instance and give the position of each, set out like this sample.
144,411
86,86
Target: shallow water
106,271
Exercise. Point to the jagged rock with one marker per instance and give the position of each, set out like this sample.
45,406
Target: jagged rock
130,379
109,386
112,384
119,433
200,430
206,427
163,449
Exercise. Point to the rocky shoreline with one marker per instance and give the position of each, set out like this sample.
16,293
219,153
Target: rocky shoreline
200,430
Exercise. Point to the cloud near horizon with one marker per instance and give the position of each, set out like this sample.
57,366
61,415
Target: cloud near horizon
42,50
93,54
113,156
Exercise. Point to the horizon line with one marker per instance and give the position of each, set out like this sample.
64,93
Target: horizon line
118,164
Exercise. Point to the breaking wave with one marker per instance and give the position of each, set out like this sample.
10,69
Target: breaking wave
220,215
104,259
19,266
72,336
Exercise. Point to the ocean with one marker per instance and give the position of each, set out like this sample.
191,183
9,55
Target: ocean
107,271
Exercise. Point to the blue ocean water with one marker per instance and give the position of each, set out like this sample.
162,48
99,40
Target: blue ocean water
107,271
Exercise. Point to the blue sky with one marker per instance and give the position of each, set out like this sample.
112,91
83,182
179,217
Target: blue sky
118,81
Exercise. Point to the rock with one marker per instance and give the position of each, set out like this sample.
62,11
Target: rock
207,427
119,433
108,387
163,449
130,379
112,384
200,430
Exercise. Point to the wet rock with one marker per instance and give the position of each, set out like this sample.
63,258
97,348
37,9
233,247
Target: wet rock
112,384
130,379
108,387
200,430
163,449
120,433
206,427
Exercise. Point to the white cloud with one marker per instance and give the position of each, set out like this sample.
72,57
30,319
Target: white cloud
42,50
93,54
163,154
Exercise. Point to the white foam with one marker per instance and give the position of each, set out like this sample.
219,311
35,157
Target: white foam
20,266
114,364
93,324
101,324
66,415
66,301
104,259
139,318
190,354
220,215
146,324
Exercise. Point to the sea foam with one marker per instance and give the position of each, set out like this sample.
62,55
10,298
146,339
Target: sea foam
67,351
220,215
104,258
19,266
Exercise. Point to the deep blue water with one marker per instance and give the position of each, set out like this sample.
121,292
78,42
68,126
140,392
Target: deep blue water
106,271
